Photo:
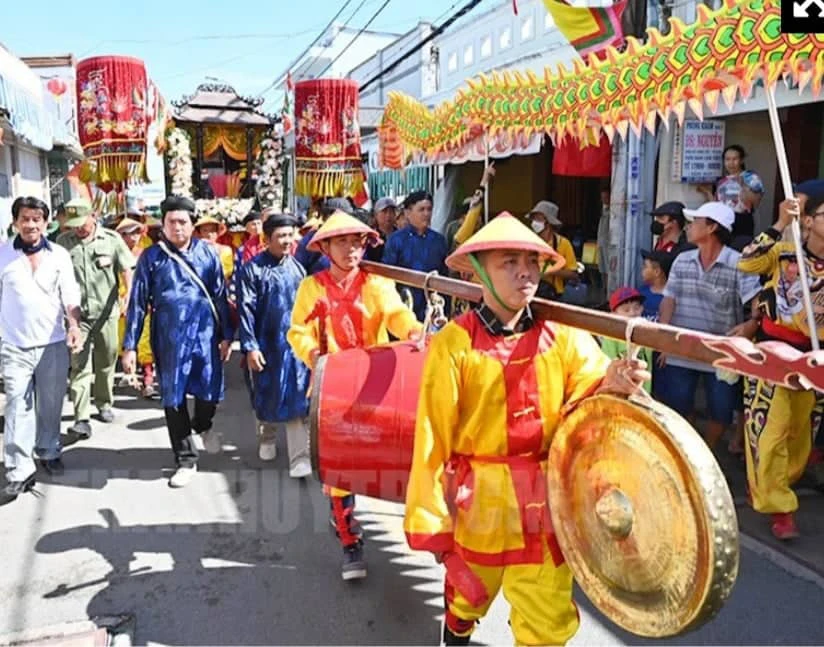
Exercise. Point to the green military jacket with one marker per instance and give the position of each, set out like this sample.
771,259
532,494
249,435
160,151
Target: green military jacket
98,263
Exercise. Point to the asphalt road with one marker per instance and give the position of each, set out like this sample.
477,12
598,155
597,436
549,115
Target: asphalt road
244,555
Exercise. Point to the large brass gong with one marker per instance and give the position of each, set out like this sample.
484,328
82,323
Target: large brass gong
643,515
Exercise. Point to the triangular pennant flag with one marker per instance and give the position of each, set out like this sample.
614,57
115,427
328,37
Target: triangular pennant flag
679,109
729,94
711,98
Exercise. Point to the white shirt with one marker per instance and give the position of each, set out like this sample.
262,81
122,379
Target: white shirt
33,304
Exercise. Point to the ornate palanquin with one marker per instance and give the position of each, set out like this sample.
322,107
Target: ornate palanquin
225,132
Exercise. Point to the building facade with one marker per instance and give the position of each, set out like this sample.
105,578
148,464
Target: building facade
26,135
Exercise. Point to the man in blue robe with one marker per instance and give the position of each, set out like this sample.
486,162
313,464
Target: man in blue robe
182,280
417,246
267,287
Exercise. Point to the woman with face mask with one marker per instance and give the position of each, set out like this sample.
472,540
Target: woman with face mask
544,221
668,227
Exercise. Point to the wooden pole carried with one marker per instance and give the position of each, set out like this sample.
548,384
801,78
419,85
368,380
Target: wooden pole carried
772,361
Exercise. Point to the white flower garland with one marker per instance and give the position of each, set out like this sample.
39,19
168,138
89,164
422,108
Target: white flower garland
228,210
269,186
180,162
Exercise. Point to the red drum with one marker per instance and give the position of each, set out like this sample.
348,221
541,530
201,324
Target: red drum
362,418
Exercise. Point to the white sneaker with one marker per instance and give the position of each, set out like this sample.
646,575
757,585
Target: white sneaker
182,476
212,441
301,469
267,450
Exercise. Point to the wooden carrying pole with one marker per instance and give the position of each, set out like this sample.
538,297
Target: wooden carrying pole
795,227
775,363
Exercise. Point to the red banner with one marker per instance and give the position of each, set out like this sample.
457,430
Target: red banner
327,139
113,117
570,160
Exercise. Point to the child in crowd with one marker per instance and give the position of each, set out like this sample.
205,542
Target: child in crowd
626,302
654,274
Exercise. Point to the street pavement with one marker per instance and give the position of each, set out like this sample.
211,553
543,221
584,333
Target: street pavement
245,555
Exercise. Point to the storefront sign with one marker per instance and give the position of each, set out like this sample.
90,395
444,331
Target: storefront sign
702,151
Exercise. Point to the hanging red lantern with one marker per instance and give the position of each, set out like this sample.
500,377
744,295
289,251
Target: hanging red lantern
57,87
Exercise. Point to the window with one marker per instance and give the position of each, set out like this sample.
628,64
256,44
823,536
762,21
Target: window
452,62
505,39
486,47
469,55
527,28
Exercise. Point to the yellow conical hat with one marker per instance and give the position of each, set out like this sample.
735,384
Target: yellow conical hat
504,232
208,220
128,224
342,224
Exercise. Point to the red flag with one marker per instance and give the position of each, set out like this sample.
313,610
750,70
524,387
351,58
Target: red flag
290,86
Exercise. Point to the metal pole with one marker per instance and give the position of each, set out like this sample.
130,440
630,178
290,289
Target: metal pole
795,227
486,184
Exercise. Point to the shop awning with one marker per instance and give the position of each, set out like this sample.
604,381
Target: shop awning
21,96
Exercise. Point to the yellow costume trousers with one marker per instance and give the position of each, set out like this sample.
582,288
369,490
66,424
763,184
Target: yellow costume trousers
540,596
144,345
779,434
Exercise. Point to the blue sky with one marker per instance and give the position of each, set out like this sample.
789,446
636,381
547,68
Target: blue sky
246,44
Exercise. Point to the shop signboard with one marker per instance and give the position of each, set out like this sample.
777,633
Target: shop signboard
702,147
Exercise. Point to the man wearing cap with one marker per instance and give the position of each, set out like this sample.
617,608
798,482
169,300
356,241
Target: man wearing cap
496,383
383,221
181,279
668,226
346,307
39,317
545,222
132,232
253,239
705,291
267,288
781,423
101,261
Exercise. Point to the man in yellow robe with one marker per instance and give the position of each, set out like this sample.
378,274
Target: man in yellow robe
781,424
340,308
496,383
133,233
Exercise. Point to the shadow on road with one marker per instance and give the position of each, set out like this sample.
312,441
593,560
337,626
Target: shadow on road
273,578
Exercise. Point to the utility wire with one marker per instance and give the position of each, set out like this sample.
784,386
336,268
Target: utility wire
469,6
362,29
310,46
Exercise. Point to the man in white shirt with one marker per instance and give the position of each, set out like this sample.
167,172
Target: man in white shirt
38,297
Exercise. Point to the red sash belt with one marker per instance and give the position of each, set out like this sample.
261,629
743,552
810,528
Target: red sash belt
530,488
782,333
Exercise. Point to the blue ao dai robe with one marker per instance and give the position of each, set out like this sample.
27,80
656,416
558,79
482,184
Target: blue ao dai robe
267,290
185,337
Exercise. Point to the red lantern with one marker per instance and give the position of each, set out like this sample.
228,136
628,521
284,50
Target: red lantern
327,138
57,87
113,117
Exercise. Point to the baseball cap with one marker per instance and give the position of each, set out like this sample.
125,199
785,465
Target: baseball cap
624,294
674,209
813,189
715,211
548,210
385,203
77,211
664,259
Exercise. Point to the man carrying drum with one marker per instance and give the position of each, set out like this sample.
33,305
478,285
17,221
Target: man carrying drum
496,383
340,308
